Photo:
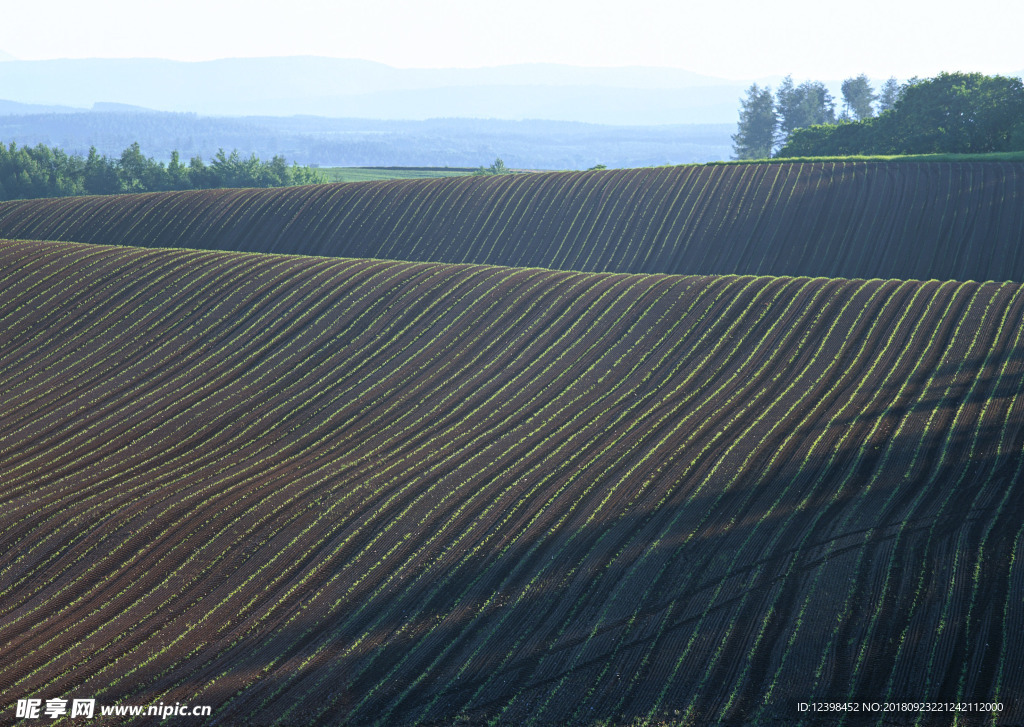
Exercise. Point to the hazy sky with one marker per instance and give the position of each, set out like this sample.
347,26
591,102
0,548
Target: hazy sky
741,39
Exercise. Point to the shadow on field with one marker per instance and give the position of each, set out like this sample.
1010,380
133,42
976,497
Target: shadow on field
720,572
908,220
952,386
875,567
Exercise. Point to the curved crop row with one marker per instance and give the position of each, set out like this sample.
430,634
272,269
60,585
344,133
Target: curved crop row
320,491
910,220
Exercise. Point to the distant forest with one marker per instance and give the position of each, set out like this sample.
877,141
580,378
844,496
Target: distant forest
953,113
41,171
340,142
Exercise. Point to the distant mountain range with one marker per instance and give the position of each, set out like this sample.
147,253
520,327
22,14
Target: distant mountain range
349,88
364,89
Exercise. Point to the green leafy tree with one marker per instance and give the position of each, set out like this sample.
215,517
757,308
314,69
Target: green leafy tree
100,176
50,172
801,106
227,169
40,171
277,173
858,97
1016,137
953,113
756,129
139,173
132,170
498,167
965,113
200,175
177,173
305,175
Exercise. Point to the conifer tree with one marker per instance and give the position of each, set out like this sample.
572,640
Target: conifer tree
755,133
888,95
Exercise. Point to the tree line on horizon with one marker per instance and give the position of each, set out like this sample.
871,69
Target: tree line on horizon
41,171
960,113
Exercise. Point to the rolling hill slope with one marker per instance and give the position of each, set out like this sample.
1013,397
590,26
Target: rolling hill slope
910,220
309,490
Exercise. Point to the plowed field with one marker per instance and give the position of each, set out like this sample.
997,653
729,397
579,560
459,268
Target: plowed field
909,220
349,491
